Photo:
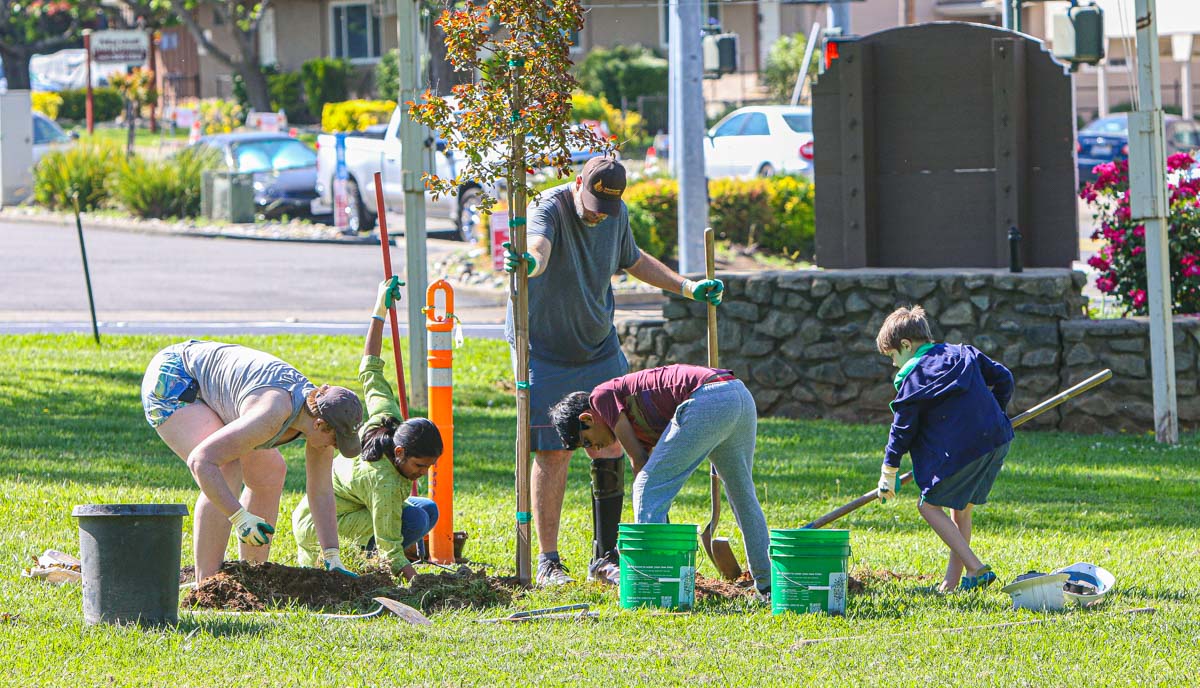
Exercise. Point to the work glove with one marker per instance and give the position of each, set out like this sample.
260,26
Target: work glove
710,290
889,482
388,295
512,260
251,529
333,562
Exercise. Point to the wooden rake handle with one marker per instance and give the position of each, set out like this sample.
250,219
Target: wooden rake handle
1070,393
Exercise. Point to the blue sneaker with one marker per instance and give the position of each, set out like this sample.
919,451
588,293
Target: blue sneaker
979,580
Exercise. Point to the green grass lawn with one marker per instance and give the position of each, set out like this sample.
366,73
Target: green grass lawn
142,138
72,432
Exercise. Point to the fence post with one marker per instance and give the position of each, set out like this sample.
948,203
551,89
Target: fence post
440,330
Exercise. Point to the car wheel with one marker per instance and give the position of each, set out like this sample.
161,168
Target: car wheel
359,218
468,219
767,170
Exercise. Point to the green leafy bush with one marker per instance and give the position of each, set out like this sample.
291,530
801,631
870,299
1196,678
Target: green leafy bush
163,188
107,104
622,71
325,81
783,64
285,89
625,125
355,115
775,215
86,168
387,76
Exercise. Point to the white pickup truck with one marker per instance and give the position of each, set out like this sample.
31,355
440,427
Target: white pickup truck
378,150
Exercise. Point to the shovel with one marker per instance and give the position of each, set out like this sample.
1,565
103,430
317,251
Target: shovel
570,611
406,613
718,550
1070,393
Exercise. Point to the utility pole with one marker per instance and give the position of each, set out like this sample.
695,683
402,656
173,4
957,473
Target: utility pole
839,17
687,145
1148,205
412,143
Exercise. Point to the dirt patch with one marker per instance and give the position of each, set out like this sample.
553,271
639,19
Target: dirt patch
461,589
241,585
864,579
708,588
187,574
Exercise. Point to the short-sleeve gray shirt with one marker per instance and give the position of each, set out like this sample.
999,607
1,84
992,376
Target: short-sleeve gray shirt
571,305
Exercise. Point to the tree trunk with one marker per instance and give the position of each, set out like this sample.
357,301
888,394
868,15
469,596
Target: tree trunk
442,76
256,87
131,123
16,67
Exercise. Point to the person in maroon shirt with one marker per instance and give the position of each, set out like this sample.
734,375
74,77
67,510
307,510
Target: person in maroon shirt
668,420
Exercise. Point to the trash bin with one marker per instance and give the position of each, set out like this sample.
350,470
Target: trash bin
230,198
130,555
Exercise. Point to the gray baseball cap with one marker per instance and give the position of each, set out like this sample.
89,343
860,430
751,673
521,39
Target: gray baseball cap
343,410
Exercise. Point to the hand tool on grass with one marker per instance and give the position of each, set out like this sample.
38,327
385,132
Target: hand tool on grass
385,244
406,613
1065,395
718,550
570,611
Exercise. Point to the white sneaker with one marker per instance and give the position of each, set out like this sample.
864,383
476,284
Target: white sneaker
552,572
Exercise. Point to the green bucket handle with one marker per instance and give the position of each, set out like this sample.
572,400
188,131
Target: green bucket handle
798,584
656,579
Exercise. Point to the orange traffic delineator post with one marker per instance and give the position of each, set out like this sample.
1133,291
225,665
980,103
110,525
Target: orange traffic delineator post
440,330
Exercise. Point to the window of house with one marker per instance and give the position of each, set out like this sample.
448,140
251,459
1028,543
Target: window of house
356,31
712,17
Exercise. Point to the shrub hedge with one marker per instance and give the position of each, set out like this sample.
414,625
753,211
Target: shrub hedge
325,80
85,167
168,187
355,115
46,103
107,104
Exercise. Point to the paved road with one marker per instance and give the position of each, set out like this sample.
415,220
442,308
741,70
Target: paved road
162,284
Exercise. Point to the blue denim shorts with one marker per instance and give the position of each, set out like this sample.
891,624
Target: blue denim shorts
167,386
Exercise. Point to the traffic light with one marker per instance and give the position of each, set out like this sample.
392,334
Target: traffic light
720,53
1079,34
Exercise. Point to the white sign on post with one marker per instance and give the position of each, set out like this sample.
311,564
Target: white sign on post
499,234
130,48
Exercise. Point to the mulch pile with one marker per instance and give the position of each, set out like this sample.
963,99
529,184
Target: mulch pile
707,588
242,586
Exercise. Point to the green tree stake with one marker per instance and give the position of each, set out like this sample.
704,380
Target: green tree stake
87,275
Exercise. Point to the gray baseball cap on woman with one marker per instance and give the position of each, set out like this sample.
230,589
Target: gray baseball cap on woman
343,411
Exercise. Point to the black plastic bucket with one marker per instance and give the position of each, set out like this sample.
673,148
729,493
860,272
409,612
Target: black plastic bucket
130,555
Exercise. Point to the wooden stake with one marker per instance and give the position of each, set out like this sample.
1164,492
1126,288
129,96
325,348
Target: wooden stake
519,286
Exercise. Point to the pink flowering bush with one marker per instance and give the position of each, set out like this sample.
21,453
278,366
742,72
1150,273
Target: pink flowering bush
1122,260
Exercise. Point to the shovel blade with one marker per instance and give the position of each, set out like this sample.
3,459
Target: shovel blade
406,613
724,559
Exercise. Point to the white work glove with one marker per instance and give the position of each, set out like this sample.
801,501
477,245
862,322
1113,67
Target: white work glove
889,482
333,562
388,295
251,529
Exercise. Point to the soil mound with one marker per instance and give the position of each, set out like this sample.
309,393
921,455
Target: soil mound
707,588
244,586
461,589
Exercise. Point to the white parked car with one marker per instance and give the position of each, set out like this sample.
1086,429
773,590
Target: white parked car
761,140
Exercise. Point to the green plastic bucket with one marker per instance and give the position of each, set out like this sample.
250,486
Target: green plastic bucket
808,570
658,565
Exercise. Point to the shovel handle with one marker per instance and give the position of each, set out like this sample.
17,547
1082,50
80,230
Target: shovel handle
1065,395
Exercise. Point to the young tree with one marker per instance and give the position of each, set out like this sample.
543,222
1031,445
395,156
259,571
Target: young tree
242,19
137,88
517,116
35,27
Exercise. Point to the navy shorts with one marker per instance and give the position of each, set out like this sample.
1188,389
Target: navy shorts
550,382
971,484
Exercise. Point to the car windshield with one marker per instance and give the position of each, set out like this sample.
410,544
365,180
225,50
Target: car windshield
801,124
1118,126
272,155
45,131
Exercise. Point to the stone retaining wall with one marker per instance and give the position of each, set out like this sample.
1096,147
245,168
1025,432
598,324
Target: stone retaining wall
804,341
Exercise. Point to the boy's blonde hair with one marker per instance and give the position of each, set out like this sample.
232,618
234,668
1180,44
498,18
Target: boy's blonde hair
904,323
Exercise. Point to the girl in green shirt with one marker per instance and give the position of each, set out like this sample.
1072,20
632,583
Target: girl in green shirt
371,491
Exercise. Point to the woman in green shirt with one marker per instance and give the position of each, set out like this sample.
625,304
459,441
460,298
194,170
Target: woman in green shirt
371,491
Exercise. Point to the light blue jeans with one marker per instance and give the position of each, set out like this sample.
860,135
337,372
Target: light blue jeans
718,421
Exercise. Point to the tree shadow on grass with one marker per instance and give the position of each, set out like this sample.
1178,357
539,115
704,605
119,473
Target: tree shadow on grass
218,626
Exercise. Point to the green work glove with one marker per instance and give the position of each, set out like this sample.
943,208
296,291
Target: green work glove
710,290
889,482
251,529
512,260
387,296
333,562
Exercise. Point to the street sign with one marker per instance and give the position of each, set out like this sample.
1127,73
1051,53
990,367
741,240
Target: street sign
130,48
499,232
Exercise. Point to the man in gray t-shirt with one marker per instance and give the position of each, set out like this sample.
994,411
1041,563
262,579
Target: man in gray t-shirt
578,238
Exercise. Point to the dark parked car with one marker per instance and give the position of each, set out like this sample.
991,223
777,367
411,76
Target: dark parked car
284,169
1107,139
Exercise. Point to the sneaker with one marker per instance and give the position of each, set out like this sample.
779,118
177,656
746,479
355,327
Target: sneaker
978,580
605,570
763,596
552,572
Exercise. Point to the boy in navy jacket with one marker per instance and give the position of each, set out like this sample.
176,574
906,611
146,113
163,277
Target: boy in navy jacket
949,417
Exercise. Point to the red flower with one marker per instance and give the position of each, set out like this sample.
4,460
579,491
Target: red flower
1138,250
1106,284
1180,161
1139,297
1140,231
1099,263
